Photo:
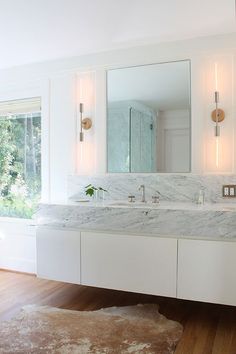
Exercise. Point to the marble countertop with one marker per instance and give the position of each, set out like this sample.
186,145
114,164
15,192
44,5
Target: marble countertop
163,205
169,219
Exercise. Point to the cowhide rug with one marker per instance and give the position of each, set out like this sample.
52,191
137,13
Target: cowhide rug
119,330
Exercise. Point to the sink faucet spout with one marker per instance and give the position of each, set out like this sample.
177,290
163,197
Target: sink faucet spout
142,188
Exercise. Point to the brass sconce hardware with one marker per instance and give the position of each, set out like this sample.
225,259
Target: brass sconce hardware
85,123
221,115
218,115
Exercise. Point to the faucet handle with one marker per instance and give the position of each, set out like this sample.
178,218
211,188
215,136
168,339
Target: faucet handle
131,198
155,199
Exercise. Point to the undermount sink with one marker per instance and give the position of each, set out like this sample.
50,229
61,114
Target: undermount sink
120,203
174,205
124,203
134,204
163,205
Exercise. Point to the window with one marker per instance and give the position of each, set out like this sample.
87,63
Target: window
20,157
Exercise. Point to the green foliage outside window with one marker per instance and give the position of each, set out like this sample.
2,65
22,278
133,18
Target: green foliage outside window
20,164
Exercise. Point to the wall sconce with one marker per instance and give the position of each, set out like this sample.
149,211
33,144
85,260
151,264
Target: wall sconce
218,115
85,123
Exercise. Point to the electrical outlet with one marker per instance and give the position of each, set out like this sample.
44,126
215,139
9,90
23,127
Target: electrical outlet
229,191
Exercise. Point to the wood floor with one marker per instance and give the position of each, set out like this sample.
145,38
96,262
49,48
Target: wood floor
208,329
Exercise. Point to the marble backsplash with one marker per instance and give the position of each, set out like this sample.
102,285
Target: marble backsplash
172,187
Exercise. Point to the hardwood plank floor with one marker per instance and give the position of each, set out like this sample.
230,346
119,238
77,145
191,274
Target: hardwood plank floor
208,328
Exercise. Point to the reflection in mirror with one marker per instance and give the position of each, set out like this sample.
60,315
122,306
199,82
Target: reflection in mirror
148,118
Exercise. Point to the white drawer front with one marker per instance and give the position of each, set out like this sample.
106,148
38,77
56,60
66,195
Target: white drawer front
58,254
206,271
133,263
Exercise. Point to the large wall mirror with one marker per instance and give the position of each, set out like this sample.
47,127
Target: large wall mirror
149,118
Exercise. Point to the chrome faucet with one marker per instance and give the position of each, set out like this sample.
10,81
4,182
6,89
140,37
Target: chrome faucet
142,188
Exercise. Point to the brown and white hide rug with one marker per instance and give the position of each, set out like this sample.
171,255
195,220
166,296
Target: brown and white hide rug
117,330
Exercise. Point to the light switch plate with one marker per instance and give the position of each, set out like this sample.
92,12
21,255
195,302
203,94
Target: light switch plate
229,191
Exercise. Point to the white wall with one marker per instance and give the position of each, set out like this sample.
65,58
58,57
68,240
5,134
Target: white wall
59,83
17,245
62,84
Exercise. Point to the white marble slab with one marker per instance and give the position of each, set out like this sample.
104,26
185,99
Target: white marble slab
224,206
176,215
199,222
172,187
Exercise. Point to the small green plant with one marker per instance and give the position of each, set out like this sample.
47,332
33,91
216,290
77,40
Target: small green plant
90,190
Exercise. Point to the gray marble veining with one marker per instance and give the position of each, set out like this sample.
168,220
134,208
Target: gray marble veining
172,187
205,224
180,220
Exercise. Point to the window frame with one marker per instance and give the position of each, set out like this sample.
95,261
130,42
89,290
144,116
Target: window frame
41,90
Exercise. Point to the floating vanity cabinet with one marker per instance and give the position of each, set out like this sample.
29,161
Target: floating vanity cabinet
58,254
132,263
207,271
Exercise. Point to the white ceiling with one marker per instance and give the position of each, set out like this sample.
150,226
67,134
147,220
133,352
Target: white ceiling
161,86
39,30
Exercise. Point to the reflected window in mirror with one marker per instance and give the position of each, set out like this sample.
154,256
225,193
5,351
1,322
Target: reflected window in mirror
149,118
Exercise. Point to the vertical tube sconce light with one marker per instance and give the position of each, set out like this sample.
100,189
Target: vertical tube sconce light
218,115
85,123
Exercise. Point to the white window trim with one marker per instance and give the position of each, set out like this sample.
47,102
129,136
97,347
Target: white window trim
41,89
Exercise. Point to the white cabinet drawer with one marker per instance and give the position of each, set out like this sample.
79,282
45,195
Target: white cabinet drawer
132,263
58,254
207,271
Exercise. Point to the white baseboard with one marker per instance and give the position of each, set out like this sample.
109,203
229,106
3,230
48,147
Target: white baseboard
19,265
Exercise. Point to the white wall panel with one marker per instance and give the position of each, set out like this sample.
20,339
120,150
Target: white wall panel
62,134
68,157
17,245
86,150
225,78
